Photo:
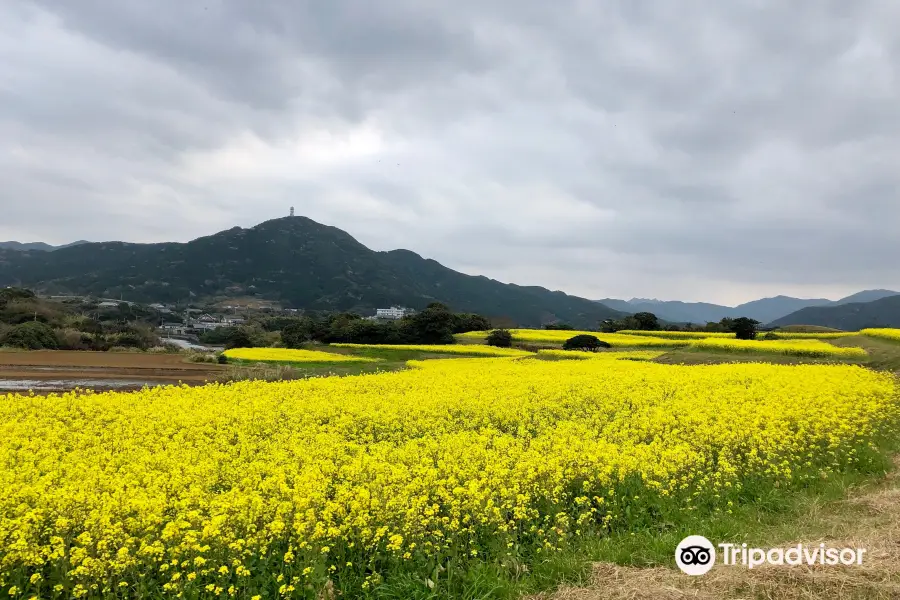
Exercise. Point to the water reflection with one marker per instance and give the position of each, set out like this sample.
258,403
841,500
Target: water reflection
23,385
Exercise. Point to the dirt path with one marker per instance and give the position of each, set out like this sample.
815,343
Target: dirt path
868,519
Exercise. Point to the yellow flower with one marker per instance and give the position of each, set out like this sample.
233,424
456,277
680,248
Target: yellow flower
128,489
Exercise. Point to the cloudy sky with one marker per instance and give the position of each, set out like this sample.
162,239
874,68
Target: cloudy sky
717,151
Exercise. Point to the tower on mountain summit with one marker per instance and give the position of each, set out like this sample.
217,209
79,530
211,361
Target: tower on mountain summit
292,211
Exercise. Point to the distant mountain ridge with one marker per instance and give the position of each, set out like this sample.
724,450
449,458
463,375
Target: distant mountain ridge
41,246
315,266
850,316
293,260
763,310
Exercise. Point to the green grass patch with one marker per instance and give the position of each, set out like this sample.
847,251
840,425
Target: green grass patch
767,517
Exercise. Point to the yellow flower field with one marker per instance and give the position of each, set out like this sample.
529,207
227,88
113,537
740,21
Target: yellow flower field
442,349
813,348
678,335
577,354
265,488
553,336
886,334
826,335
291,355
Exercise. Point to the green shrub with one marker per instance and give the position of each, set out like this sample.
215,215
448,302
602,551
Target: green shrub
33,335
500,338
201,357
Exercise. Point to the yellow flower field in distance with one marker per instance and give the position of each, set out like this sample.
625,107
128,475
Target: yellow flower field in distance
555,336
678,335
812,348
266,488
291,355
826,335
460,362
441,348
600,355
883,333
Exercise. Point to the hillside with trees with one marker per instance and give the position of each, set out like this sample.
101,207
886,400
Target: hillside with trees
295,261
29,322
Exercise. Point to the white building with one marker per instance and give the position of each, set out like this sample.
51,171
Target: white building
394,312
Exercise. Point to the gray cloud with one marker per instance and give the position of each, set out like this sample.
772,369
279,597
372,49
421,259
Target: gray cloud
697,151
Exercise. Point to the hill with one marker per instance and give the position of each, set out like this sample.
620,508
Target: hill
867,296
852,316
37,246
292,260
768,309
763,310
673,311
807,329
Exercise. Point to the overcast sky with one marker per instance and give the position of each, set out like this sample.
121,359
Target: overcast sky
716,151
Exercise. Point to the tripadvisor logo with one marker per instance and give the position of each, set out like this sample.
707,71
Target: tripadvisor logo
696,555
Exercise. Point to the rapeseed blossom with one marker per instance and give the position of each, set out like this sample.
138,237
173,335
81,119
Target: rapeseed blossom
578,354
441,349
813,348
883,333
823,335
291,355
262,489
678,335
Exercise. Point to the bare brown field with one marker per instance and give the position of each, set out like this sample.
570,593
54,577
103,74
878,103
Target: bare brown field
55,370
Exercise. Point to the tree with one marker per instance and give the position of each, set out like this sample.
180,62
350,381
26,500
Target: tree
32,335
744,328
371,332
14,293
559,326
501,338
584,342
239,338
465,322
646,321
610,326
295,333
219,335
434,325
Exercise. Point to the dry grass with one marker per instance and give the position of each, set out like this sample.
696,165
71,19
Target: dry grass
867,519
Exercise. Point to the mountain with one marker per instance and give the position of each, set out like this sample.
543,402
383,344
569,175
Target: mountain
37,246
867,296
768,309
763,310
852,316
293,260
673,311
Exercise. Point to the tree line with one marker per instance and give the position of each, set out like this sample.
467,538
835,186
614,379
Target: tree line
436,324
743,327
